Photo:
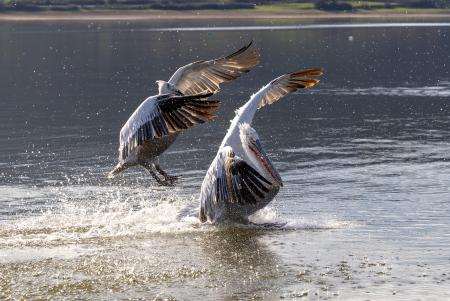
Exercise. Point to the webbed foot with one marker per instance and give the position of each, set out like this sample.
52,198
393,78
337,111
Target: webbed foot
168,179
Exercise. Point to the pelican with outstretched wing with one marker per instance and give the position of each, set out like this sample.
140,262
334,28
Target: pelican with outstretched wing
242,179
181,103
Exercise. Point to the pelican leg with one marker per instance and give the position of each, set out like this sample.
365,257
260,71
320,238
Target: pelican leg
170,180
150,169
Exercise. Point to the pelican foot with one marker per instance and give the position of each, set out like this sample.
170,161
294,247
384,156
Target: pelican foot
165,181
170,180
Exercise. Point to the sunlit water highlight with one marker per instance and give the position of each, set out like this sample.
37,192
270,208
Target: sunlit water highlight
301,26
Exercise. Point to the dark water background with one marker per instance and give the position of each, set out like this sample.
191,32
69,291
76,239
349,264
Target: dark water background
364,157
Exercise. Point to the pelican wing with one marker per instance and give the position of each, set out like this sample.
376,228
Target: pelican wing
163,115
203,76
232,180
244,183
289,83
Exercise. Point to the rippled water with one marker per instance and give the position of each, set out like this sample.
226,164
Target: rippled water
364,157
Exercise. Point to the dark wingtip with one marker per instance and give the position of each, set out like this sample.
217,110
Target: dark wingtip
243,49
205,95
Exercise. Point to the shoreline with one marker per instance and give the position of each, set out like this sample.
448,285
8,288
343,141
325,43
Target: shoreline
149,15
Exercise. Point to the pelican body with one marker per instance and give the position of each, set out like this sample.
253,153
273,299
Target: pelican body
181,103
242,179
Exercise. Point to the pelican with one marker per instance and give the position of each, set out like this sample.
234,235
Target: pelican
181,104
242,179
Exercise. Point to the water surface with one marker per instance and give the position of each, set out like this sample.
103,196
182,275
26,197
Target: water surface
364,157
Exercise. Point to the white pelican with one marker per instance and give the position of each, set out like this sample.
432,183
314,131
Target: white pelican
241,179
181,103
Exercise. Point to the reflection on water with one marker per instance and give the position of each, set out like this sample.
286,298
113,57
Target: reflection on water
245,265
440,90
364,158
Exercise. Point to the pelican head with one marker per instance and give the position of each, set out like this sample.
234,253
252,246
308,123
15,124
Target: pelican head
257,155
163,87
167,88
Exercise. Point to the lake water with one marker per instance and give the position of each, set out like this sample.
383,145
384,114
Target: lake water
364,155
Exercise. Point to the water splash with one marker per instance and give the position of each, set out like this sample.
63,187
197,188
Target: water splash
95,214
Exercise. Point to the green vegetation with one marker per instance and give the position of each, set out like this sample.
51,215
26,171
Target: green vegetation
370,4
432,6
358,6
285,7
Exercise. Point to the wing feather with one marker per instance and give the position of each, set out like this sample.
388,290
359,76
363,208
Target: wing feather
201,76
163,115
289,83
232,180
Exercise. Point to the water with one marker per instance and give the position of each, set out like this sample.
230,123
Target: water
364,157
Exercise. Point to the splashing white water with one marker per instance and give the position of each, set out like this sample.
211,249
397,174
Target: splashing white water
91,213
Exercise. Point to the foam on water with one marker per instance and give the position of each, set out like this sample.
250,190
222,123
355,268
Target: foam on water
269,218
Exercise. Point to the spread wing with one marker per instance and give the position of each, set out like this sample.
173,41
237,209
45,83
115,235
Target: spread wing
232,180
164,115
289,83
202,76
